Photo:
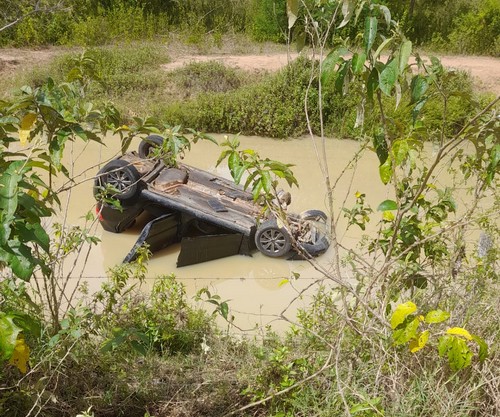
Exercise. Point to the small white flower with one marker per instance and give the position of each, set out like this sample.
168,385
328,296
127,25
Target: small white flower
204,347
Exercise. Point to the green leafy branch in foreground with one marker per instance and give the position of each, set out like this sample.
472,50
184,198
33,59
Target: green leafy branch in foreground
168,143
34,129
407,326
263,174
221,307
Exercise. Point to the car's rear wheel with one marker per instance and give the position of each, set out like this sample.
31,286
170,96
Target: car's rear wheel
273,240
147,145
313,240
119,179
315,215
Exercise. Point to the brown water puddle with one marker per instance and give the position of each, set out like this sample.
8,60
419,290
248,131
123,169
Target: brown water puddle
254,285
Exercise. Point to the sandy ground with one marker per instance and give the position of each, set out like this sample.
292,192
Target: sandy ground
484,70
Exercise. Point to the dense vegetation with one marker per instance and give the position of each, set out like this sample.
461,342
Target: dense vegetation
218,99
457,26
405,324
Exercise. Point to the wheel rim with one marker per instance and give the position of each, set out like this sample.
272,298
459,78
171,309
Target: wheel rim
119,180
272,240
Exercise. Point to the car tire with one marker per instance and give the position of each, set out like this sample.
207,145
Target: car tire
321,243
273,240
151,142
316,215
123,176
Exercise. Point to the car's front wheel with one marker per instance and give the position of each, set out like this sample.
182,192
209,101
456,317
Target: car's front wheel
273,240
148,144
118,179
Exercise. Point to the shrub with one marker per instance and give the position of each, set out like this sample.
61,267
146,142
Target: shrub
268,20
271,108
118,24
205,77
478,31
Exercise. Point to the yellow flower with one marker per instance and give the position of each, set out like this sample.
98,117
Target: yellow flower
21,355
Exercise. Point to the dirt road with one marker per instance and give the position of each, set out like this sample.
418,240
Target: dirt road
484,70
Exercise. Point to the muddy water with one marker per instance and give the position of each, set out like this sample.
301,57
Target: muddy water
254,285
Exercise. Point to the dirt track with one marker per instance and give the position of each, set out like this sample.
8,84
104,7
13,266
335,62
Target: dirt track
484,70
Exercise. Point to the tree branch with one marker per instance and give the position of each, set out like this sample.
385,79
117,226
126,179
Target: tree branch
59,6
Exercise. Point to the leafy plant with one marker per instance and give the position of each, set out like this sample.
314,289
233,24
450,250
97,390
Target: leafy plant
263,174
360,213
454,343
221,307
45,119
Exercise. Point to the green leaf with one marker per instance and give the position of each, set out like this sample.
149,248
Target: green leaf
138,347
444,343
233,161
387,205
381,47
238,173
22,261
436,316
257,188
8,120
329,63
223,156
224,309
418,88
419,342
400,150
9,185
370,33
347,12
406,332
416,110
385,171
292,10
404,55
459,331
56,149
459,354
342,78
34,232
371,85
387,14
388,77
358,62
402,311
483,348
250,178
8,336
266,182
380,147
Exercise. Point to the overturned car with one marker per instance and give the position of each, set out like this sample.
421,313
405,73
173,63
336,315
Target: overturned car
210,216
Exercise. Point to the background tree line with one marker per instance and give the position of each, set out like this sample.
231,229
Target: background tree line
458,26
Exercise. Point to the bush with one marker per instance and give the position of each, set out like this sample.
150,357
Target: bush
268,20
273,108
478,31
118,24
205,77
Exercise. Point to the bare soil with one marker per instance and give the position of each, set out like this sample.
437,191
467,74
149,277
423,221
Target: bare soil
485,71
